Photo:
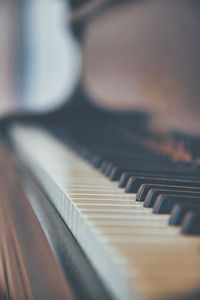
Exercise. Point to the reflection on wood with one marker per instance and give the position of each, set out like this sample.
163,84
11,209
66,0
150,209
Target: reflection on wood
27,266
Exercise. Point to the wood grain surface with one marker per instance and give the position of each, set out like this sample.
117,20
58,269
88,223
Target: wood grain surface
28,269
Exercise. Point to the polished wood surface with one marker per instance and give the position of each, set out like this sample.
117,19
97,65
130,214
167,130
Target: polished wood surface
27,265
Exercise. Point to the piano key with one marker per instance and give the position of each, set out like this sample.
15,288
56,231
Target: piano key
153,195
145,188
115,173
191,223
126,176
96,161
124,179
119,230
134,183
98,189
100,196
103,166
140,165
165,203
155,166
108,169
179,211
104,201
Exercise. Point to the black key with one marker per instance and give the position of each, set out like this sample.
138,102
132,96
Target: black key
127,175
153,195
134,183
179,211
109,169
85,153
145,188
96,161
191,223
103,166
124,179
115,174
148,166
90,156
165,203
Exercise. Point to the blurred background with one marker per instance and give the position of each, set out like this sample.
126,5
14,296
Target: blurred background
138,55
39,59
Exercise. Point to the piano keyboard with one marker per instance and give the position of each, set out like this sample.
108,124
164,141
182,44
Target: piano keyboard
144,243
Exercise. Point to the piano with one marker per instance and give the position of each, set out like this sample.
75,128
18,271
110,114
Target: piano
98,203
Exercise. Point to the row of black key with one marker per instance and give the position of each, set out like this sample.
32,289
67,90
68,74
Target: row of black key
182,202
163,192
158,181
